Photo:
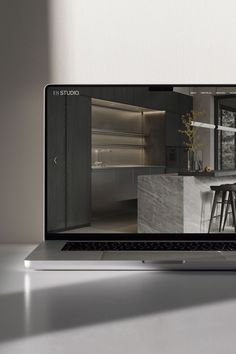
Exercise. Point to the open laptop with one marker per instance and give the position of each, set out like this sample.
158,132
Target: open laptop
129,171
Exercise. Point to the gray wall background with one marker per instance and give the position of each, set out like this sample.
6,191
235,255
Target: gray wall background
24,71
77,57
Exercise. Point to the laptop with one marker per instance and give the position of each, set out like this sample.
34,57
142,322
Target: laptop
138,177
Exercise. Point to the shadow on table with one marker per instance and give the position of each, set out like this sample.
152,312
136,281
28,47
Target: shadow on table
72,306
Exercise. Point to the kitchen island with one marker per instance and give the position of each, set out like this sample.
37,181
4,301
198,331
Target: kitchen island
178,203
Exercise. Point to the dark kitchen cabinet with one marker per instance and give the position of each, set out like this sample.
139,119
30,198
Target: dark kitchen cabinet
159,100
124,186
68,157
56,156
173,124
78,161
121,94
157,170
143,97
103,187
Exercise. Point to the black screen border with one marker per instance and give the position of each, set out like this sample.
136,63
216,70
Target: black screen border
122,236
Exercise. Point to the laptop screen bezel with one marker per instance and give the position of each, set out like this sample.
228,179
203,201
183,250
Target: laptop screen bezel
121,236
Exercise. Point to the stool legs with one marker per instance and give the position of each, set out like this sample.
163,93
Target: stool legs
232,201
224,190
222,209
213,209
226,213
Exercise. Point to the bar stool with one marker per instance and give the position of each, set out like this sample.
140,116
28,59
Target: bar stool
227,193
231,202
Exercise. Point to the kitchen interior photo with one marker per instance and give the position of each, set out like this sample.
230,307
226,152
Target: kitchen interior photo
141,159
127,141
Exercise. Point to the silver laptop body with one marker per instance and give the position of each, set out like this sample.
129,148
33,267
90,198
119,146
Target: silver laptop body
98,142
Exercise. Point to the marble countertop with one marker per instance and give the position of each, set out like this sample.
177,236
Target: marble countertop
185,200
214,173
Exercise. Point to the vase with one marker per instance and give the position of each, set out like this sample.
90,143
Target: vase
195,161
198,160
191,161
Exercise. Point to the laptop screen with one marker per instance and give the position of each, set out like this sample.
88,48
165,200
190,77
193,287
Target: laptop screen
138,160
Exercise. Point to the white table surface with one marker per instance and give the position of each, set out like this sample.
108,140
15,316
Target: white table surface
114,312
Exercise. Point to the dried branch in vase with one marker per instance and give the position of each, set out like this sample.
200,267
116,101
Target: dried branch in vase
191,132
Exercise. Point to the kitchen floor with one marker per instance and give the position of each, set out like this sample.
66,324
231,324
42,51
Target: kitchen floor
117,223
124,223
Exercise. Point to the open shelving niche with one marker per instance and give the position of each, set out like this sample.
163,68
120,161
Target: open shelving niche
122,133
118,133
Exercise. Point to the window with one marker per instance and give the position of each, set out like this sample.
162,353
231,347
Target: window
226,138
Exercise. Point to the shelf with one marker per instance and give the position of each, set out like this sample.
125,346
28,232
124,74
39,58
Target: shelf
116,132
119,146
